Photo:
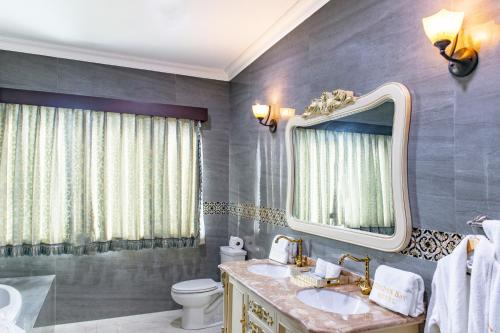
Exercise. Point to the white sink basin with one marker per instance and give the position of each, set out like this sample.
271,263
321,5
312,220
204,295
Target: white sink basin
274,271
332,301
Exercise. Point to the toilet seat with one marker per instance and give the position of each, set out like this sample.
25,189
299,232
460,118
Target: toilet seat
195,286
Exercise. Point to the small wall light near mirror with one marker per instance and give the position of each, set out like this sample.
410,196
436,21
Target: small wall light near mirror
287,113
263,113
443,29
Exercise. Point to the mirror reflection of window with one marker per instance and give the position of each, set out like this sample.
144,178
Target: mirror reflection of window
343,171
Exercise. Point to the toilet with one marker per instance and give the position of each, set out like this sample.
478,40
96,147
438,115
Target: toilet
201,299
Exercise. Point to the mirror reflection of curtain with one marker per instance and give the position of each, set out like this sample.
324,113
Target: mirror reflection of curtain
343,179
72,181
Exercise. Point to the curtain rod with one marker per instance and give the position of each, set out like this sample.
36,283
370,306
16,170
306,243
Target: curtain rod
41,98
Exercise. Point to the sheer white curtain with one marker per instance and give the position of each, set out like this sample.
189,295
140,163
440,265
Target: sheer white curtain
74,181
343,178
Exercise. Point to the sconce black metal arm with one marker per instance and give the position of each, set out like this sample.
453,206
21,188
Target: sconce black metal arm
271,123
461,62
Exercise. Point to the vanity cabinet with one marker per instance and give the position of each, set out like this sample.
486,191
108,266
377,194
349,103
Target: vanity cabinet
246,312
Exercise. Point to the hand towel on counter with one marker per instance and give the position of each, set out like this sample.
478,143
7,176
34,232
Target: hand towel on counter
332,271
280,250
320,268
236,242
325,269
398,290
449,304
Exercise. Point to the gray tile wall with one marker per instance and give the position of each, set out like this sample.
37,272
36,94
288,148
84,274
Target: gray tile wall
454,159
127,282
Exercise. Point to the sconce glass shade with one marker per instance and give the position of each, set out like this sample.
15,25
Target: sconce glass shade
287,113
444,25
260,111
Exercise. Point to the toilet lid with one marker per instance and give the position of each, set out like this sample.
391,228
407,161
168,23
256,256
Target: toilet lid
195,286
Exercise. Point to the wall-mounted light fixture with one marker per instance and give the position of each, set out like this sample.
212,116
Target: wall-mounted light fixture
263,113
287,113
442,29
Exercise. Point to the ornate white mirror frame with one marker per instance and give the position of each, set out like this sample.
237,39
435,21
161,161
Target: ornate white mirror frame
400,96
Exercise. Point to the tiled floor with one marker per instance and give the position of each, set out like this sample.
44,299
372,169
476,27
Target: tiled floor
159,322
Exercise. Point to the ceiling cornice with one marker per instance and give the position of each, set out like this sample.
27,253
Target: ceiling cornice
109,58
297,14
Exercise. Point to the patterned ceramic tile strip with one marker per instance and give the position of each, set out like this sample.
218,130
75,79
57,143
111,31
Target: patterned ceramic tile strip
431,244
424,244
262,214
215,208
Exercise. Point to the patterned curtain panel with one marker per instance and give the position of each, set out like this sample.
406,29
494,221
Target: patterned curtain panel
79,181
343,178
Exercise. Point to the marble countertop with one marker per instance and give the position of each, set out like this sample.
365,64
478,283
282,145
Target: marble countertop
34,290
280,293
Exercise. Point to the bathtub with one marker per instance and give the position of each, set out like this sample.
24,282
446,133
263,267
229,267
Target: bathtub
10,303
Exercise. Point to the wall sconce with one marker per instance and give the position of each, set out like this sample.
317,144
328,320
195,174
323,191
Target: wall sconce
287,113
262,112
442,29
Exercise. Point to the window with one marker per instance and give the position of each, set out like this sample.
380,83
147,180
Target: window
78,181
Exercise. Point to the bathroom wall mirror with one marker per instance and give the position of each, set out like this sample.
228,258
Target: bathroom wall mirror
347,171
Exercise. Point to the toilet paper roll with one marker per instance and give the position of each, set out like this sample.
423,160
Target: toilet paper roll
236,242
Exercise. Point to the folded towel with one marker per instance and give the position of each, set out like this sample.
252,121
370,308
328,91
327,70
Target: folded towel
320,268
279,251
398,290
332,271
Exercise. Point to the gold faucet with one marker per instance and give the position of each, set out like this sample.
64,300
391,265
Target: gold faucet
298,258
363,283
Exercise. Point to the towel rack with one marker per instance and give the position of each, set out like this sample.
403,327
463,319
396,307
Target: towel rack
478,221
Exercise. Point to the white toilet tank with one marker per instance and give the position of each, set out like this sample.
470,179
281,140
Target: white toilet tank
228,254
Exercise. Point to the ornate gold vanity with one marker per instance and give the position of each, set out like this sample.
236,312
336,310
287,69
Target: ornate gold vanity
263,304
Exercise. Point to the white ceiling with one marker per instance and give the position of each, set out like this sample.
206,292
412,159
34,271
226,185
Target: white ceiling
206,38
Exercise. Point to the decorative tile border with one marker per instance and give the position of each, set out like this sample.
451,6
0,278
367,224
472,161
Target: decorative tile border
424,244
272,216
215,208
430,244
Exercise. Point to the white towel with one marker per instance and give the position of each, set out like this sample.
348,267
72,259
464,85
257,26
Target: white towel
10,327
448,307
484,308
320,268
279,250
332,271
398,290
492,230
481,287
